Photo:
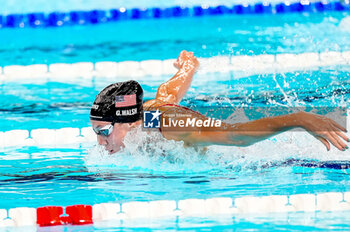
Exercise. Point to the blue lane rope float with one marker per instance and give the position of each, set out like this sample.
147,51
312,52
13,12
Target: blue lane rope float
56,19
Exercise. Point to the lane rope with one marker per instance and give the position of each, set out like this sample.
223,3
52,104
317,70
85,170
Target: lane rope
57,19
47,137
177,210
240,65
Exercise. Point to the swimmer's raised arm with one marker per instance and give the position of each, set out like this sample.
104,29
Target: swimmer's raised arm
175,89
244,134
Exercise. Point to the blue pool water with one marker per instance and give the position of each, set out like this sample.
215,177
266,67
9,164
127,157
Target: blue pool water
83,174
26,105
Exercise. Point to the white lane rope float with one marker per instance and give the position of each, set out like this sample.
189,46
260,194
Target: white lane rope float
44,137
248,65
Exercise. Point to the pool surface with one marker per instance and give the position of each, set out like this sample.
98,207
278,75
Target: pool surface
151,168
206,36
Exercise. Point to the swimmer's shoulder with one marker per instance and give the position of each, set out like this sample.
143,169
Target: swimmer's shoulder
150,104
155,104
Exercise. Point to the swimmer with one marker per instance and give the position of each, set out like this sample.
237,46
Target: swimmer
118,109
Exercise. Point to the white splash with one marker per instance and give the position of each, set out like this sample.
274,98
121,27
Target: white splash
150,152
344,24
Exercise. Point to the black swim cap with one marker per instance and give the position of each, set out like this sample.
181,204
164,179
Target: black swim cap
118,103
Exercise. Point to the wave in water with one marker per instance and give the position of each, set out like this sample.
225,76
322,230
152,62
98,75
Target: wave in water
150,152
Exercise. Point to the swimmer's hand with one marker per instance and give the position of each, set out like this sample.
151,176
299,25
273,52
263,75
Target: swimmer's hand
187,61
324,129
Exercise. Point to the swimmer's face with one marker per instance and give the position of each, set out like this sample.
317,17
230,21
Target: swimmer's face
113,142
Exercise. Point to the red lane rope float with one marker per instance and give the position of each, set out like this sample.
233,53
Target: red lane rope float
80,214
53,215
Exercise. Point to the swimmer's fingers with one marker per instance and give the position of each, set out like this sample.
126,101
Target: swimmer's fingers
339,141
177,65
186,59
324,141
337,125
182,53
328,135
180,59
342,135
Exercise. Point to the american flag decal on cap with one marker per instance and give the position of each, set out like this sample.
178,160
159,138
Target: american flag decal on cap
125,100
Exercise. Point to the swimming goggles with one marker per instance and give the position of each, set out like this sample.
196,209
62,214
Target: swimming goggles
104,131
